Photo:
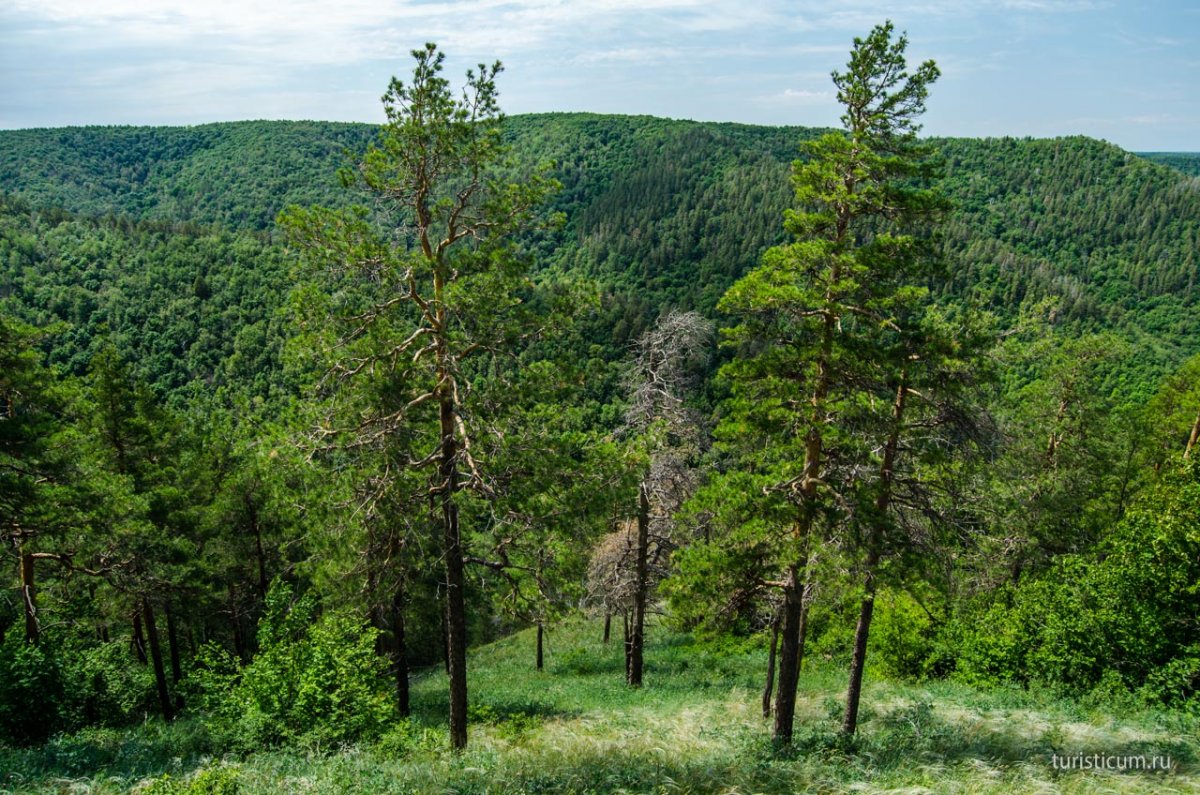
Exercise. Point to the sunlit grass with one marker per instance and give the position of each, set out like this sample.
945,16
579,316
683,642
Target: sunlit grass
694,727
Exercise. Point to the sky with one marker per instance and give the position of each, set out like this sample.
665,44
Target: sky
1124,71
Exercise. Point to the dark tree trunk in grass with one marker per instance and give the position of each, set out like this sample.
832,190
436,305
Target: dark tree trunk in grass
456,610
160,674
400,655
637,633
607,626
540,657
858,660
770,686
173,640
29,598
625,633
791,653
138,640
887,472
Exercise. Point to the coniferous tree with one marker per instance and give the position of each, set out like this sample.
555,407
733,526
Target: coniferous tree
809,314
410,305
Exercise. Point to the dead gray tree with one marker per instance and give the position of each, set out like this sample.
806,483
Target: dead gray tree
668,360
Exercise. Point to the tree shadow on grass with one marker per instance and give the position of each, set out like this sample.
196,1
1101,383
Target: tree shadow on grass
914,735
132,753
433,709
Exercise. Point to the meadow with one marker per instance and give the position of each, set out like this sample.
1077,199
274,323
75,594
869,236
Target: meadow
696,726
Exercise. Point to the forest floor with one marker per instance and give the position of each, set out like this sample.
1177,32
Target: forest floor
695,727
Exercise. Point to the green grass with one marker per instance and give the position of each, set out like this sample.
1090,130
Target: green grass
694,727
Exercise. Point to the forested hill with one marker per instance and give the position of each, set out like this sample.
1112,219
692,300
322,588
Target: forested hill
660,212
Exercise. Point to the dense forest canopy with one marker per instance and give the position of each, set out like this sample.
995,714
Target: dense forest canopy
291,410
660,213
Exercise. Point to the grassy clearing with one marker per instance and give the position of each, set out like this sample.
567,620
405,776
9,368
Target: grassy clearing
695,727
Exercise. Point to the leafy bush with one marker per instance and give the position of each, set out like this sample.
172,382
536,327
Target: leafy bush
31,692
104,689
1124,618
902,637
219,780
314,681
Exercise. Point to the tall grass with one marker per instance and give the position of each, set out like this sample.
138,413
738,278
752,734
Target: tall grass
694,727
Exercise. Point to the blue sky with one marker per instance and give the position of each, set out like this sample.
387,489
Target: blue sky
1127,72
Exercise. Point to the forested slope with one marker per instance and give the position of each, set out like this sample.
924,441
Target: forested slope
660,213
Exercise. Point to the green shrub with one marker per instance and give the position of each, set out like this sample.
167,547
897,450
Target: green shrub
1177,683
31,691
219,780
105,688
315,681
903,637
1120,619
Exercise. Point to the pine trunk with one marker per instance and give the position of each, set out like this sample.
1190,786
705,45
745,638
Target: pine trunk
791,652
540,658
400,655
256,531
456,609
625,636
769,689
239,640
173,640
160,674
29,598
887,473
138,641
641,585
858,660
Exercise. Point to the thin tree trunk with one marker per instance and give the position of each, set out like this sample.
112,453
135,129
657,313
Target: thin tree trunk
239,640
160,675
173,640
252,512
138,641
400,654
768,690
858,659
887,474
641,585
456,610
607,626
540,658
625,637
29,597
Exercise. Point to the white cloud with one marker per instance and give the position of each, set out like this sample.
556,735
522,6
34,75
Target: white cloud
353,30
